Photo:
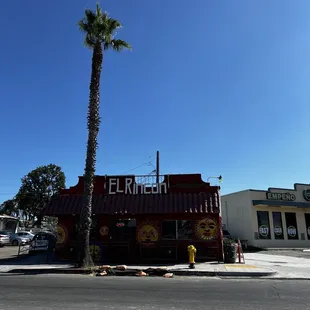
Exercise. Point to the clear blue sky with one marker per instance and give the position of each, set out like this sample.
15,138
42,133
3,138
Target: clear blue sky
218,87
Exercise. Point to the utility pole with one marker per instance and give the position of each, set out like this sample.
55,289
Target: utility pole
157,167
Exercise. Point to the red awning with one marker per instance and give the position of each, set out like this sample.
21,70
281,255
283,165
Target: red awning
138,204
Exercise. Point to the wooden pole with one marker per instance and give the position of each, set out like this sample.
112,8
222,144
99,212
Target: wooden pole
157,167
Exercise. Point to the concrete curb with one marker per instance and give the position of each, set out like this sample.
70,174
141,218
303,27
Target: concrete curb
132,272
223,273
270,278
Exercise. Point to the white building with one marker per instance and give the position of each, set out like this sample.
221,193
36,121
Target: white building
8,223
274,218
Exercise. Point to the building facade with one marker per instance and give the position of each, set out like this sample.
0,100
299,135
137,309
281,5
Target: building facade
141,218
9,223
276,218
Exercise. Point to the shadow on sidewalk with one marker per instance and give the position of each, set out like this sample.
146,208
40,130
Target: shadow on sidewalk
30,259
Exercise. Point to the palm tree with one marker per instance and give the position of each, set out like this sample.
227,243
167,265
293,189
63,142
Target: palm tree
100,30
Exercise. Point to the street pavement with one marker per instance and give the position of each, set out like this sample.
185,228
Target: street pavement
9,251
86,292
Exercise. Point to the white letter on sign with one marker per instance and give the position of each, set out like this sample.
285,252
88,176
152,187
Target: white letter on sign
111,183
128,182
118,190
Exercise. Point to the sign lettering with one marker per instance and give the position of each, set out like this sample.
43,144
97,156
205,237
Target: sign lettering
263,230
134,188
291,231
307,194
278,230
280,196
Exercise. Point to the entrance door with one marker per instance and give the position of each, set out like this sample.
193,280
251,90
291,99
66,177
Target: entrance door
122,240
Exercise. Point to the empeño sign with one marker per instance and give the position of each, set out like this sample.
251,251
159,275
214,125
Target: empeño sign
133,188
280,196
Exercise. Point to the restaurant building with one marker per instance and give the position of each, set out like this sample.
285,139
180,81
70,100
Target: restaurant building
137,219
275,218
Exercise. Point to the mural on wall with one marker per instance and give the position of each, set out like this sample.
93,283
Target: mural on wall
206,229
62,234
148,231
104,231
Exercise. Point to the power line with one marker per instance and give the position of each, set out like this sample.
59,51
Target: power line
144,164
149,163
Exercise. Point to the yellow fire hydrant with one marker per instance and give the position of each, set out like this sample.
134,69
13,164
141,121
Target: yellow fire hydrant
191,256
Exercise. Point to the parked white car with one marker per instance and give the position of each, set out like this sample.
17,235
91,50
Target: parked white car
4,238
17,239
25,234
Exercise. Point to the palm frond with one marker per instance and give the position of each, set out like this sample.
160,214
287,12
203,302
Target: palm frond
98,10
87,22
83,26
90,16
99,27
89,41
114,24
119,45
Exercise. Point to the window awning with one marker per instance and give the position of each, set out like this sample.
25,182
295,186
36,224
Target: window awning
180,203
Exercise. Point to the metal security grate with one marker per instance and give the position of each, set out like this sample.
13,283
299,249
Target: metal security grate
148,179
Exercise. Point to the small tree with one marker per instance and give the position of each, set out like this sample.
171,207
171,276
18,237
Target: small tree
10,207
37,188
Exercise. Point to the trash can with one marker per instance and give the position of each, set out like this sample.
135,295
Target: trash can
230,251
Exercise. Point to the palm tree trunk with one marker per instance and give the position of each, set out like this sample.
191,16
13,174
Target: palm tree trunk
93,123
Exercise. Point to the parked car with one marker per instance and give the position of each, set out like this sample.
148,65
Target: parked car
4,238
16,239
25,234
41,241
226,234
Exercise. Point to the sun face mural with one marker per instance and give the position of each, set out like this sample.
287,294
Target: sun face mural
148,232
61,234
206,229
104,231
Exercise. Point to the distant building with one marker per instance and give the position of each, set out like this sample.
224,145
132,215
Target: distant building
274,218
8,223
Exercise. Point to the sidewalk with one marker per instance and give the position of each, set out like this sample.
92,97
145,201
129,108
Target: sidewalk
288,267
210,269
259,265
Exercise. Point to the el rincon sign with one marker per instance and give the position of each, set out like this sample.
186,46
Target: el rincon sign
130,187
280,196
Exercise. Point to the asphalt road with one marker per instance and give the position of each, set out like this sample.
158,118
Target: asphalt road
85,292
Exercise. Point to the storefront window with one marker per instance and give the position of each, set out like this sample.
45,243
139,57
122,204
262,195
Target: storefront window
291,225
169,229
177,229
263,224
185,230
307,218
123,230
277,225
